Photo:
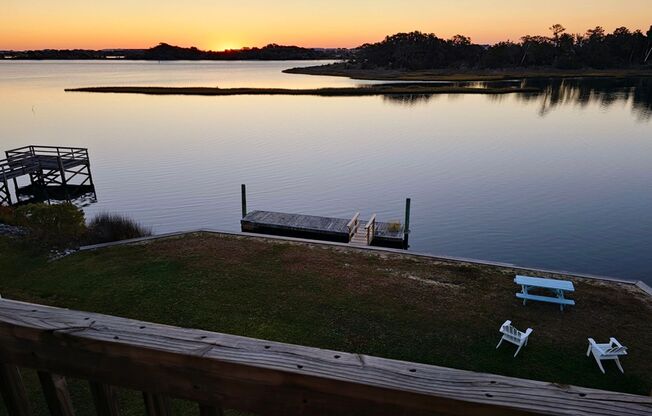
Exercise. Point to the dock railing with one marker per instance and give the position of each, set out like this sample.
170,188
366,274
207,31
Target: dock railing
370,229
62,152
221,371
353,225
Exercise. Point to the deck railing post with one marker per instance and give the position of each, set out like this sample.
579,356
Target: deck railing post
210,410
57,396
105,398
156,405
243,192
13,391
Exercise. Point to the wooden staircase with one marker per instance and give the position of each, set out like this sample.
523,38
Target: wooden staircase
360,235
359,238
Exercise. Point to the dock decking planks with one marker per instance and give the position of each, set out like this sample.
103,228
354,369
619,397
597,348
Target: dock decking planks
318,227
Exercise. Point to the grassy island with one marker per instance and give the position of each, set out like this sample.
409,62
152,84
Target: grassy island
380,89
385,304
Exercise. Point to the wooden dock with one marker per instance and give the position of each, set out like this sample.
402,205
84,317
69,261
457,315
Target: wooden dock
58,171
353,231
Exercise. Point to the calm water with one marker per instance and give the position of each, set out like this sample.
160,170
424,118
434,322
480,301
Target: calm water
561,179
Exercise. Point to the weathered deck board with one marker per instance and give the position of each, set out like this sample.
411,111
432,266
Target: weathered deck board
271,377
298,222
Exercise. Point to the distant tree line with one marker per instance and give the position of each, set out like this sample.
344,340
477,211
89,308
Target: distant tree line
164,51
594,49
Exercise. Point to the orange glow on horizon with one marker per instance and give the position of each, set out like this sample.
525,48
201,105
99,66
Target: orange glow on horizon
210,25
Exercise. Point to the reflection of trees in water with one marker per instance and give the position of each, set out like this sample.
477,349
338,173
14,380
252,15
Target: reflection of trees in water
562,92
408,99
583,92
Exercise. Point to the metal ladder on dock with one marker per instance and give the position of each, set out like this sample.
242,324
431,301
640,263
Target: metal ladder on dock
361,236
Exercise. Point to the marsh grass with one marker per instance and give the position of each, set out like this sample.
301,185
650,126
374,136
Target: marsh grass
107,227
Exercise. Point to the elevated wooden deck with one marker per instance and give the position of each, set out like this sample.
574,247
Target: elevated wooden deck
319,228
46,166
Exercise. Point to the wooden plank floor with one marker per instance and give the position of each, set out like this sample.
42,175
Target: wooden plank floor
312,223
297,222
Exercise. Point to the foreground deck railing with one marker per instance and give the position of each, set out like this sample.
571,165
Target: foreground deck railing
225,371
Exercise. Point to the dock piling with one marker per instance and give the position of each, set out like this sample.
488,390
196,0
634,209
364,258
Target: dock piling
406,227
243,191
407,215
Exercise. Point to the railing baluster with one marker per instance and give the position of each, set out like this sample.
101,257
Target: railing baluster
157,405
57,396
13,391
105,398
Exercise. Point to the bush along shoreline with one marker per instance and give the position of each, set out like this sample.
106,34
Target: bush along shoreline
62,228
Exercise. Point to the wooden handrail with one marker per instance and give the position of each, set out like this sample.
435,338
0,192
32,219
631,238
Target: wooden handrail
370,228
261,376
353,224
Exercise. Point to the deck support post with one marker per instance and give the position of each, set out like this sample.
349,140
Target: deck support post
243,192
5,193
62,172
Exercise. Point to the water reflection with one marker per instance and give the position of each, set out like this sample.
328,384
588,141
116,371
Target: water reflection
80,195
555,93
586,91
489,176
409,99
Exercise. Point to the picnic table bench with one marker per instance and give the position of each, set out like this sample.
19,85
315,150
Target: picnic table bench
558,287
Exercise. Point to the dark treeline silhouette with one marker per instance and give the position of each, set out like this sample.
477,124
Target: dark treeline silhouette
594,49
164,51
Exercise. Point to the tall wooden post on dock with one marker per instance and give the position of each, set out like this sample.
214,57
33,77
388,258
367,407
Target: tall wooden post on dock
406,227
243,190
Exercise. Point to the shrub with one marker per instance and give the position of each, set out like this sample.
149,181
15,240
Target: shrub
6,215
394,226
60,224
108,227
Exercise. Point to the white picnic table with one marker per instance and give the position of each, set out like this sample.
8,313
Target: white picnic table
557,287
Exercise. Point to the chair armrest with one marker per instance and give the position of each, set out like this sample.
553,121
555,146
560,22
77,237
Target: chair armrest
592,342
508,322
615,342
528,332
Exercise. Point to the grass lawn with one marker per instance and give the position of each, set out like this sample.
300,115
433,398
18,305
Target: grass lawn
394,306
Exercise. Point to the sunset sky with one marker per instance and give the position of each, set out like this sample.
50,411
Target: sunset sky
216,25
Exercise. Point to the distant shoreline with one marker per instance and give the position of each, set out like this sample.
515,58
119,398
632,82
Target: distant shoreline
382,89
346,70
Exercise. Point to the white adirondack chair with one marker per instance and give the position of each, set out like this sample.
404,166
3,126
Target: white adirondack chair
603,352
513,335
